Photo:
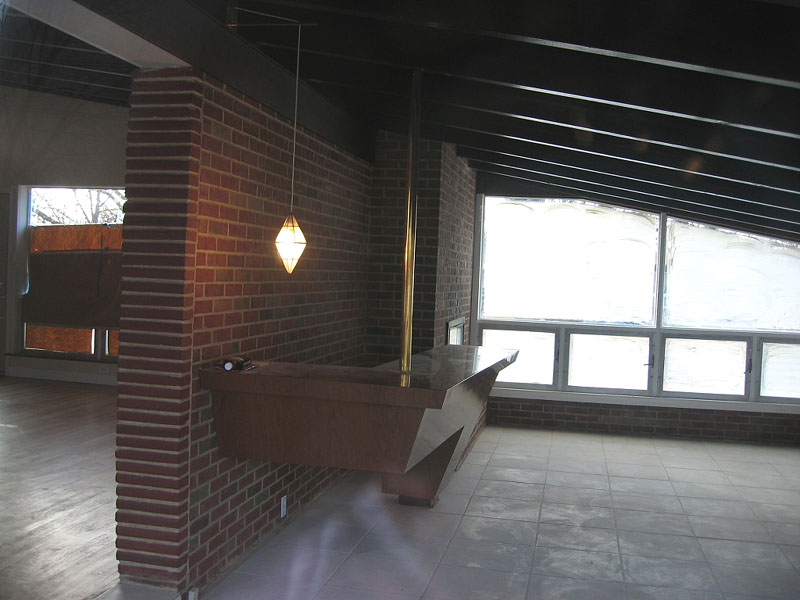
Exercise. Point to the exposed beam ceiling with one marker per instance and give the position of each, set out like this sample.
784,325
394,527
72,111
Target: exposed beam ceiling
687,106
38,56
97,31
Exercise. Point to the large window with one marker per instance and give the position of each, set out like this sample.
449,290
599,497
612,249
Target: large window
552,260
71,308
722,279
75,206
605,299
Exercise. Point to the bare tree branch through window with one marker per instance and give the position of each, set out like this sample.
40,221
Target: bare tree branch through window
75,206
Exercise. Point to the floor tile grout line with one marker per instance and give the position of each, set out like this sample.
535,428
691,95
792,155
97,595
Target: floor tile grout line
707,562
535,545
455,531
538,526
452,535
349,554
616,532
480,478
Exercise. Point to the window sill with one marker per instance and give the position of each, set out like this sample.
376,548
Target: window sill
507,391
58,369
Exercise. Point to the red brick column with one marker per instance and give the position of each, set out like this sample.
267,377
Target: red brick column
208,188
163,160
456,233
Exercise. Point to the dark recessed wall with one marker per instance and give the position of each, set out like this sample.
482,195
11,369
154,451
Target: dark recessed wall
446,221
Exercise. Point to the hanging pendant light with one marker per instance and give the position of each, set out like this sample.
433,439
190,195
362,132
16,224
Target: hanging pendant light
290,241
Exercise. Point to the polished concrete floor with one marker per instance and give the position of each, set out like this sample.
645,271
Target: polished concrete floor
539,515
57,490
533,515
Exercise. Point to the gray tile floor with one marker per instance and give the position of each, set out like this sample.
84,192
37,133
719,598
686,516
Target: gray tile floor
551,515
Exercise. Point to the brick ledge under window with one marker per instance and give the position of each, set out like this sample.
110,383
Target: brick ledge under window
790,408
630,415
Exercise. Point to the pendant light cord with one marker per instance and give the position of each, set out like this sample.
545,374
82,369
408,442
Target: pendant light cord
296,86
296,94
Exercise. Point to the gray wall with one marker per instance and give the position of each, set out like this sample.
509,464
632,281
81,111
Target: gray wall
48,140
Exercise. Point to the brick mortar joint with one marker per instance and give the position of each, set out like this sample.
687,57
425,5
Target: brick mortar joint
147,105
153,528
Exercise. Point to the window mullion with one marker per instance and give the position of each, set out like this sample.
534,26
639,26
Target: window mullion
563,358
661,270
477,270
753,379
658,335
100,342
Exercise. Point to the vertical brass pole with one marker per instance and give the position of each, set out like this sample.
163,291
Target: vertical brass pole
414,117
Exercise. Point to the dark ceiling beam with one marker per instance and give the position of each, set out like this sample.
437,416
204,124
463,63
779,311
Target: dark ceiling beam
39,57
588,190
105,83
662,129
27,39
185,31
344,65
457,98
698,36
92,28
85,68
480,158
685,200
788,204
640,172
647,171
78,47
690,162
84,91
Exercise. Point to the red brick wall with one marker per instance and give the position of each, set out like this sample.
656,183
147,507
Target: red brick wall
445,222
425,273
456,232
646,420
208,188
156,314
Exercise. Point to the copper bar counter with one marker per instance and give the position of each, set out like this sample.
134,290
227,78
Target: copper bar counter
414,432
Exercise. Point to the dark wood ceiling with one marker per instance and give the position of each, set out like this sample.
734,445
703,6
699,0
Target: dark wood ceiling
39,57
689,106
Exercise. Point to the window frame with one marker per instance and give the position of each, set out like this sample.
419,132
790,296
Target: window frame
705,335
610,331
100,343
534,327
658,335
100,339
758,364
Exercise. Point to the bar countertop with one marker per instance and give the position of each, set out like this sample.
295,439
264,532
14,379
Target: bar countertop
433,373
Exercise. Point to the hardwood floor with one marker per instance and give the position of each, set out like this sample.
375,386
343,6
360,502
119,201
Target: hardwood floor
57,490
